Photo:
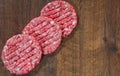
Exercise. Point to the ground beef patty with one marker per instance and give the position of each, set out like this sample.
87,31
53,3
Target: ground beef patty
46,31
63,13
21,54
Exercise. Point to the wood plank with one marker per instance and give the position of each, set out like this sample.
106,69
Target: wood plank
92,49
90,52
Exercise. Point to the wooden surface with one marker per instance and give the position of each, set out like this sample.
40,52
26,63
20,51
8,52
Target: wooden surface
93,49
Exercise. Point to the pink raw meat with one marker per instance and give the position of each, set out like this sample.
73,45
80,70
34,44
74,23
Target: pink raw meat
47,33
63,13
21,54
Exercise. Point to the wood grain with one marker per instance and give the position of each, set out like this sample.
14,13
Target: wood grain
92,49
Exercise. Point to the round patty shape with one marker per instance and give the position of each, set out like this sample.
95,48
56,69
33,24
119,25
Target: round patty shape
46,32
63,13
21,54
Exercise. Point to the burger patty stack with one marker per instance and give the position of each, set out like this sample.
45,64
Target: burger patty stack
41,36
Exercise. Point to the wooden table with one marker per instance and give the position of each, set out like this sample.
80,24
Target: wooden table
93,49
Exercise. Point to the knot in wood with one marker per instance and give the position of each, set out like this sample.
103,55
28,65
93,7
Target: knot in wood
112,48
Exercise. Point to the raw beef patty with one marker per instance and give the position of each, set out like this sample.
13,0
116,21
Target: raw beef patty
63,13
21,54
47,33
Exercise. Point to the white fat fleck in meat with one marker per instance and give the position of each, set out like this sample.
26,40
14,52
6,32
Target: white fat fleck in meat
6,57
66,5
74,14
5,62
52,34
4,50
17,69
46,42
15,58
57,26
44,34
22,53
66,29
34,22
20,46
10,68
63,15
37,32
29,59
30,41
29,63
53,7
68,13
49,4
25,32
74,22
28,49
33,62
46,9
35,51
52,22
54,43
44,23
30,37
24,45
17,53
57,9
6,47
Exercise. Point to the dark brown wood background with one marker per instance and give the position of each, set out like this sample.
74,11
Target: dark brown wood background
93,49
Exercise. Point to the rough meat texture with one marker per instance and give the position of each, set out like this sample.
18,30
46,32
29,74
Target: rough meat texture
63,13
21,54
46,31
